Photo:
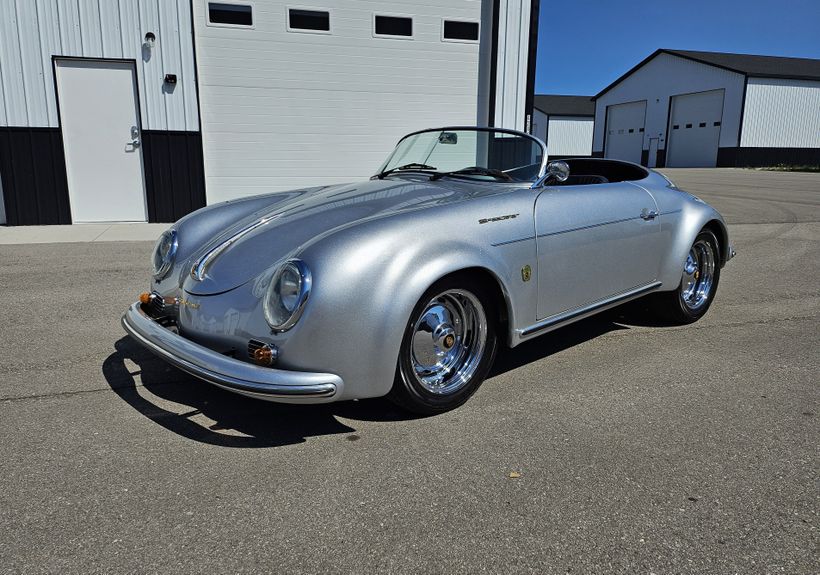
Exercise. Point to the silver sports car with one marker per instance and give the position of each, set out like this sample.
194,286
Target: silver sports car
406,285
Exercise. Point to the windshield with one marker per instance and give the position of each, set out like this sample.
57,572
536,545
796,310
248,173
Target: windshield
479,153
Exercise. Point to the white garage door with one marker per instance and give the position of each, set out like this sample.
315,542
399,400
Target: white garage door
624,131
695,130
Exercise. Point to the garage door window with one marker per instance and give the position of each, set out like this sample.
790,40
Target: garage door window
230,14
459,31
392,26
302,20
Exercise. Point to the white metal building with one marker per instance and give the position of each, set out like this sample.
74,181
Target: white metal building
704,109
144,110
565,124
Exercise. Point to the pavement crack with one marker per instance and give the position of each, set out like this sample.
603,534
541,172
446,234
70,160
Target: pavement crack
113,388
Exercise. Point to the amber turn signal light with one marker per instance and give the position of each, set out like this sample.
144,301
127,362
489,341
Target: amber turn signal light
145,298
263,355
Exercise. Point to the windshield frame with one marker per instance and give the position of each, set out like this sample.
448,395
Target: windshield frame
541,171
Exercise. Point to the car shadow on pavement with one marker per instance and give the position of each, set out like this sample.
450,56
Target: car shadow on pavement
555,342
193,409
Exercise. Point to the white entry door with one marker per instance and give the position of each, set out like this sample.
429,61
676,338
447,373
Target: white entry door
624,131
101,137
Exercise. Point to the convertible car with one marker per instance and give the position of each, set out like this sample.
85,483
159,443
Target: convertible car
405,285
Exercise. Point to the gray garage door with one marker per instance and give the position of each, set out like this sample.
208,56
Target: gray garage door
694,130
624,131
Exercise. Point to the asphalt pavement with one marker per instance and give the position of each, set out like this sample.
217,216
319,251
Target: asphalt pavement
610,446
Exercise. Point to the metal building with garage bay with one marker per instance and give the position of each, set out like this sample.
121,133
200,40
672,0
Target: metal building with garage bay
682,108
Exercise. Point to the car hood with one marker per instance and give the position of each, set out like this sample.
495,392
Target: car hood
254,244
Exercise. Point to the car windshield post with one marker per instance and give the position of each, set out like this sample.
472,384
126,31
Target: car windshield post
468,152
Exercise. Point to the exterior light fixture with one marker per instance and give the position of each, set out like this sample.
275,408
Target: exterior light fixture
150,38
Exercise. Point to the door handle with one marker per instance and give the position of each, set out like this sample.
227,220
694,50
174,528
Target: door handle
648,214
135,136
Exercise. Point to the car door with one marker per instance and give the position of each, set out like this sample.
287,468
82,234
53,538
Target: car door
594,242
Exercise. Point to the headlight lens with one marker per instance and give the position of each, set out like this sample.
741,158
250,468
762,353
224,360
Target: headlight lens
164,253
287,294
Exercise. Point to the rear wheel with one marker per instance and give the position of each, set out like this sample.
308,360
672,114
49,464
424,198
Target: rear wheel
448,347
699,281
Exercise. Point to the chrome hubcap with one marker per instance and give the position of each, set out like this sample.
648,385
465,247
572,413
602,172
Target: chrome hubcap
698,275
448,341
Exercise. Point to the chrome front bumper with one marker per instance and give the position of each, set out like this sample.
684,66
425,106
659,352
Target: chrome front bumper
228,373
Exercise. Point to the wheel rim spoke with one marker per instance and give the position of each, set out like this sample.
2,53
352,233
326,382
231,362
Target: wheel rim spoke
698,275
448,341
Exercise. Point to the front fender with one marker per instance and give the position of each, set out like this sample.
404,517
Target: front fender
366,282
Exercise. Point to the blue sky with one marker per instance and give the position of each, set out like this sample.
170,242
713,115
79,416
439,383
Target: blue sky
583,45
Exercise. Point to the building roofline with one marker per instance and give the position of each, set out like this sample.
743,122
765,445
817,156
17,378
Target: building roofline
693,58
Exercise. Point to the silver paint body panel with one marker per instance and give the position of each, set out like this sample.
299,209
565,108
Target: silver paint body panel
374,247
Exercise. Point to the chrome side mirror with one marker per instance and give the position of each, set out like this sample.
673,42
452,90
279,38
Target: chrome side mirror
558,170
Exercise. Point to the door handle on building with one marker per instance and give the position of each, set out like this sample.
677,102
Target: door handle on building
135,137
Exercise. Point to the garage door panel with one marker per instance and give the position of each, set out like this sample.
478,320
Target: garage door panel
624,131
694,130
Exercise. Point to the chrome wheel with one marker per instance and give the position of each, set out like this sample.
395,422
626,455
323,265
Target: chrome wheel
448,341
698,275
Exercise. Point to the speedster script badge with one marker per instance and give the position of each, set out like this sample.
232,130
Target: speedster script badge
497,218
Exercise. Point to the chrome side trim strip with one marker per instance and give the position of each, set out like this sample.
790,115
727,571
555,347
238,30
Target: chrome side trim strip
567,316
589,227
513,241
201,266
227,372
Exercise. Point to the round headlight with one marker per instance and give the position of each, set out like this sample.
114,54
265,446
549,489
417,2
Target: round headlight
164,253
287,294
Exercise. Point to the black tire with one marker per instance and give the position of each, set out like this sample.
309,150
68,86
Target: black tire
408,391
673,306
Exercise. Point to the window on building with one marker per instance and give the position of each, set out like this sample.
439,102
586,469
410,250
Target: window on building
313,20
459,30
393,26
232,14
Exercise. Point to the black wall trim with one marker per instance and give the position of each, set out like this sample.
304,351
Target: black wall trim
660,158
532,60
644,158
32,168
762,157
742,109
174,174
493,66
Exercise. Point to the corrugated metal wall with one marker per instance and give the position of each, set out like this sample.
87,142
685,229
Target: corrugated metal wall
32,31
569,136
781,114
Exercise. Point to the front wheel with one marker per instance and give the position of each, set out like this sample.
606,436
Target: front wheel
448,347
699,282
